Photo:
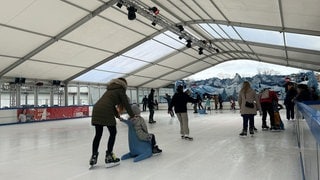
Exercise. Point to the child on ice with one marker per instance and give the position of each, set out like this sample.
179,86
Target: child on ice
141,130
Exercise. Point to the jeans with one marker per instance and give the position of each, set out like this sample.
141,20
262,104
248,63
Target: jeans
246,118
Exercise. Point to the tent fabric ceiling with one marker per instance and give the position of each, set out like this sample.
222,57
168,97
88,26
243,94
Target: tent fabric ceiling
93,41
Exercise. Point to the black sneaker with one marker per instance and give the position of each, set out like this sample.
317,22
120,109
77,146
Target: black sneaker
156,150
111,160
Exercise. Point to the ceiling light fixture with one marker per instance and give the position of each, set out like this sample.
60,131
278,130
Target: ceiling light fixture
154,10
132,13
200,50
180,28
119,4
189,43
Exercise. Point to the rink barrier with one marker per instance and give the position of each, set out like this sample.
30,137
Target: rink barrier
307,127
40,114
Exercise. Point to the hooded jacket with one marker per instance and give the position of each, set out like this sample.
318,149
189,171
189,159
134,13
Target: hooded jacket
104,111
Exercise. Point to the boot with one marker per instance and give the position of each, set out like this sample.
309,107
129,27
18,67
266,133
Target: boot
251,131
243,133
156,150
94,159
111,160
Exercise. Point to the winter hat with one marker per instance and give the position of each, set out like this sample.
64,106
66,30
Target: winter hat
136,110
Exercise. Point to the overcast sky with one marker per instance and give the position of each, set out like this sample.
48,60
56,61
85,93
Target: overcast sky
246,68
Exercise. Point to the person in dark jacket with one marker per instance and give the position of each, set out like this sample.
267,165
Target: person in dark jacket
289,100
179,103
144,103
151,106
303,93
109,106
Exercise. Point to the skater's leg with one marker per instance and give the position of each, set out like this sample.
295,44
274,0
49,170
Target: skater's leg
288,111
292,110
151,113
244,125
112,138
97,138
251,123
111,160
185,124
153,140
264,115
95,145
271,114
181,123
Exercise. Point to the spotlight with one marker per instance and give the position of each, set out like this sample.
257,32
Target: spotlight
217,50
119,4
180,28
180,37
189,43
154,23
200,50
155,10
131,13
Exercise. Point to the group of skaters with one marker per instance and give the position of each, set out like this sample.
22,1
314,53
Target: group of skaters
109,107
216,98
114,102
266,102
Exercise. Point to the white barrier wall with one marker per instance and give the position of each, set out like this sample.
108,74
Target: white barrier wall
8,116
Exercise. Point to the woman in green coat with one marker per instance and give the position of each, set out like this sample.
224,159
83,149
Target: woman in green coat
104,113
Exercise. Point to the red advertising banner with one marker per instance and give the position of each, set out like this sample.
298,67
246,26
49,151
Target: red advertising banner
48,113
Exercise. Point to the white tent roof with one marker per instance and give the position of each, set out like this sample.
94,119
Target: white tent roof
93,41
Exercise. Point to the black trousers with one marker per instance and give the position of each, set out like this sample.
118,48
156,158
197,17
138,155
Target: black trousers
153,140
247,118
290,111
97,138
267,108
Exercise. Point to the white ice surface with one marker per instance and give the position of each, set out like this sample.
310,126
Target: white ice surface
60,150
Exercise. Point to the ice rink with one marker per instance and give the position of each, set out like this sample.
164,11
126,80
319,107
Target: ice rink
61,150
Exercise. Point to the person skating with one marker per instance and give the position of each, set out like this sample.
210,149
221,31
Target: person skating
104,113
151,106
289,100
266,98
142,131
248,103
179,103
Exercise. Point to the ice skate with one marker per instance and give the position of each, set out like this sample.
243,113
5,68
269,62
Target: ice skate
111,160
243,133
188,138
251,131
156,150
93,160
265,128
275,129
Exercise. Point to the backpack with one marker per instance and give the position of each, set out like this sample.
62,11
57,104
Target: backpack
265,94
268,96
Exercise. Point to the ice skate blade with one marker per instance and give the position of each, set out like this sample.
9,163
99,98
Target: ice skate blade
188,138
110,165
277,130
243,136
156,154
